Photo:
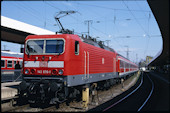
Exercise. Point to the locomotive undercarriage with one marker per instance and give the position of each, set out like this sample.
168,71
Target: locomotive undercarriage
46,91
55,91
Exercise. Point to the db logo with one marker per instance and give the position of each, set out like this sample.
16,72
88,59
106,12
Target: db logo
43,64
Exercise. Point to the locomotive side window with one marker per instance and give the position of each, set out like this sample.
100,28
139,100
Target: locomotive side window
35,46
9,63
54,46
2,63
76,47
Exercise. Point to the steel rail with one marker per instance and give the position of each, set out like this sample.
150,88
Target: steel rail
125,96
149,94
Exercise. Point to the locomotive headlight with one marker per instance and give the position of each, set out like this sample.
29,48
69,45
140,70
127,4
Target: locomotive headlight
26,71
54,71
60,72
32,71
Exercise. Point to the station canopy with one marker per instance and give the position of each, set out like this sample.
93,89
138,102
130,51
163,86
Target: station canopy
160,10
16,31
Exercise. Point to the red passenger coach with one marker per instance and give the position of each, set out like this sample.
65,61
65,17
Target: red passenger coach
61,64
126,67
9,60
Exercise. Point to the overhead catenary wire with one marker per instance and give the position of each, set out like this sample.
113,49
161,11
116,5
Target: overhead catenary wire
107,35
135,18
62,10
148,39
139,25
33,10
111,8
30,11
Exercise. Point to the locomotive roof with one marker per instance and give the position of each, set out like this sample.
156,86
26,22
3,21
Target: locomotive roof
88,41
52,36
126,59
11,54
92,41
121,56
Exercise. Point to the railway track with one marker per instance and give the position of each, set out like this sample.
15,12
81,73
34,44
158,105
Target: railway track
128,100
122,99
148,95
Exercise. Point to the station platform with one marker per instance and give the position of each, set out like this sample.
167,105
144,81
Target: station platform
9,89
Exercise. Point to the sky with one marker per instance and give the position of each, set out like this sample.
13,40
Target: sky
129,25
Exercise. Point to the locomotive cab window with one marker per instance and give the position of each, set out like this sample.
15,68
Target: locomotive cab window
50,46
35,46
54,46
76,47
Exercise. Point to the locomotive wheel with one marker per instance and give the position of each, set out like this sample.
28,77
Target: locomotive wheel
68,102
57,105
21,100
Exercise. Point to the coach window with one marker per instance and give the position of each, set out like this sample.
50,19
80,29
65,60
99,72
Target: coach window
2,63
9,63
76,47
126,65
15,62
121,64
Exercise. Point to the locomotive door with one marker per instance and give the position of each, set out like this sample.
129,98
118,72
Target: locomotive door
114,65
86,65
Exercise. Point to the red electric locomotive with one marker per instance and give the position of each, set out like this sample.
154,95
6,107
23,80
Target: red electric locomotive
57,66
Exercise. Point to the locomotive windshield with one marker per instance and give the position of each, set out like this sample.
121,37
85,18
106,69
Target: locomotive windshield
54,46
45,46
35,46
